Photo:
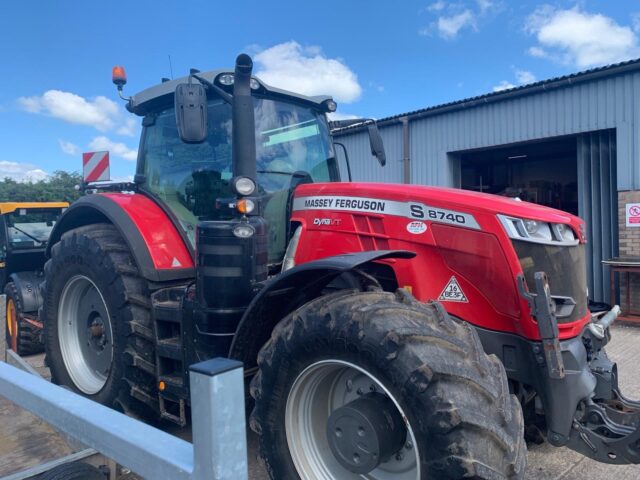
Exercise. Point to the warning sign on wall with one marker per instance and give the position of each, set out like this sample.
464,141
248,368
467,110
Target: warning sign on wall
453,293
633,214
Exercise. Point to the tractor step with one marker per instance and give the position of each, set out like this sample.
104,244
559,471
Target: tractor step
165,311
170,348
174,411
167,317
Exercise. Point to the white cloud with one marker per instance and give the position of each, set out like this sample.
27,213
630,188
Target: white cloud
128,128
437,6
100,112
448,27
522,77
503,85
484,5
306,70
21,172
341,116
68,147
115,148
525,76
538,52
579,38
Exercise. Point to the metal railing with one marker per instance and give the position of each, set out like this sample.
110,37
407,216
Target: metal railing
219,448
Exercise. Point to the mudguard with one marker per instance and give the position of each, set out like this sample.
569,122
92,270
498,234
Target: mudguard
160,251
28,287
290,290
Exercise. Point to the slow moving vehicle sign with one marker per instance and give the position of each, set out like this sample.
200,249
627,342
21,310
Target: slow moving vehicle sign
95,166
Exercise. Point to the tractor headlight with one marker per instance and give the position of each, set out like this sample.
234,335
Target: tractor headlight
243,230
243,185
537,231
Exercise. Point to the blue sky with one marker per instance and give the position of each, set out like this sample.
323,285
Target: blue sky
377,59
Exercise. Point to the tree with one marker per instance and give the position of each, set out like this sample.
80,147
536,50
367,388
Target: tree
60,187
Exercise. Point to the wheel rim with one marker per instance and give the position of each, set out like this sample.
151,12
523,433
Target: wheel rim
85,334
12,325
318,391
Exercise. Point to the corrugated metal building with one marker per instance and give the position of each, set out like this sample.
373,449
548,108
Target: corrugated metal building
571,142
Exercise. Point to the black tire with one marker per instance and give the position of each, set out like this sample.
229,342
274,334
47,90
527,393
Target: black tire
455,397
99,253
23,337
73,471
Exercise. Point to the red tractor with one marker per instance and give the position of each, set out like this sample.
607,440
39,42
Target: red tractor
389,331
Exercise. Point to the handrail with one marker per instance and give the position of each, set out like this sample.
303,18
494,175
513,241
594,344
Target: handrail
219,449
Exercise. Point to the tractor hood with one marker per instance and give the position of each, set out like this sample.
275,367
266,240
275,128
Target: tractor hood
449,198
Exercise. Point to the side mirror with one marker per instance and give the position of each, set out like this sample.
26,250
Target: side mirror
191,112
377,146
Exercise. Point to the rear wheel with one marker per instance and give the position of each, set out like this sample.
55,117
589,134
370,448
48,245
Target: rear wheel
98,329
380,386
23,334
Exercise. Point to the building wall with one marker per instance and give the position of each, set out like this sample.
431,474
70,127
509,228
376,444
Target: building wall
629,247
606,103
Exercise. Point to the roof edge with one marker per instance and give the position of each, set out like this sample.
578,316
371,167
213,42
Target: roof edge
530,89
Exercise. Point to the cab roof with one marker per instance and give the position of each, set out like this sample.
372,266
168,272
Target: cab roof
10,207
154,97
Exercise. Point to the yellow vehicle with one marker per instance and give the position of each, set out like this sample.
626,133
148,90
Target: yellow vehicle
24,233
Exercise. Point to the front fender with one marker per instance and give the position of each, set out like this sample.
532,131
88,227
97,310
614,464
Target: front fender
155,242
290,290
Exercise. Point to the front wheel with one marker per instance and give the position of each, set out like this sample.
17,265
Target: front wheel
380,386
98,328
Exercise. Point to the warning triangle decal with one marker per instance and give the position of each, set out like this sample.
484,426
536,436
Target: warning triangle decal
453,293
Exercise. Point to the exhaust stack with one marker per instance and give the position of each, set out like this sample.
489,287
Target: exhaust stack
244,138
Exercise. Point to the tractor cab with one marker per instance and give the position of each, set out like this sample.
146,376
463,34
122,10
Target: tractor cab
24,233
25,228
293,146
192,177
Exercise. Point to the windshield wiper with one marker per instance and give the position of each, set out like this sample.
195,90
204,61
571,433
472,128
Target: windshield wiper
28,235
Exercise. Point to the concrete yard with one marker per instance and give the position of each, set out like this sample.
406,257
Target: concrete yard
545,461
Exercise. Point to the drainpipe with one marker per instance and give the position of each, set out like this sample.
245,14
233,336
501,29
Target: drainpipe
406,155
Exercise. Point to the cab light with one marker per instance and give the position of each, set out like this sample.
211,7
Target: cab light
330,105
226,79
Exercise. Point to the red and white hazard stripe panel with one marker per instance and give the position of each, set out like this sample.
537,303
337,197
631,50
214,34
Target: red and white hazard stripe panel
95,166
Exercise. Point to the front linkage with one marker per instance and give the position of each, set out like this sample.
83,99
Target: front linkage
580,377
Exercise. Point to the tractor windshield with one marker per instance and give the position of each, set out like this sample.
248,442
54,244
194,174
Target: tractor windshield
30,228
189,178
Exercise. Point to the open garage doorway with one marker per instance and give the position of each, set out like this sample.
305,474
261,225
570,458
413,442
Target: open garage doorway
576,174
544,172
